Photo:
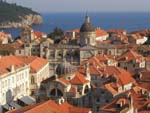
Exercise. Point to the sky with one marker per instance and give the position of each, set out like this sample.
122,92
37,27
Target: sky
85,5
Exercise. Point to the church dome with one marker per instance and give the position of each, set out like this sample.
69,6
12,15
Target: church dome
87,26
64,68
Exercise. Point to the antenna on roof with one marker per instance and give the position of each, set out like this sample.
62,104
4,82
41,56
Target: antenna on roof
86,13
87,18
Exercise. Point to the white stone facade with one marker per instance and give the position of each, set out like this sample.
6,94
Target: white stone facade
14,84
102,38
38,77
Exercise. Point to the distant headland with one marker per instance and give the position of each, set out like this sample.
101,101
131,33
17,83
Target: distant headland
15,16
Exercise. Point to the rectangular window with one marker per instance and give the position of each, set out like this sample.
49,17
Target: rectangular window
12,79
19,51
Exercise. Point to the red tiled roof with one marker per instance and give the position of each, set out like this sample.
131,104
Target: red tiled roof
121,36
116,31
123,76
24,109
144,111
52,107
94,61
147,59
140,101
36,63
79,79
104,57
112,87
4,35
130,55
63,80
100,32
143,32
93,70
74,30
113,106
136,36
144,80
7,61
39,33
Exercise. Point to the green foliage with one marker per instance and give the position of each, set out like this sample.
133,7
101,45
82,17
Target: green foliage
12,12
56,34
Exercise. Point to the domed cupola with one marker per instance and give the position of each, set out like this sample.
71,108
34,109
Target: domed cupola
64,69
87,26
87,33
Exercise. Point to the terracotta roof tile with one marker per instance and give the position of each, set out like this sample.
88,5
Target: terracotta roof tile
79,79
63,80
116,31
51,107
113,106
93,70
112,87
7,61
100,32
74,30
136,36
39,33
4,35
36,63
129,56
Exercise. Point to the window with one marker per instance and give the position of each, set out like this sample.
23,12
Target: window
3,85
33,50
8,82
98,100
32,80
19,51
106,100
109,52
125,68
12,79
102,92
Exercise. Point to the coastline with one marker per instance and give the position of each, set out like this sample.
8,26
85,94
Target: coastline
30,19
67,21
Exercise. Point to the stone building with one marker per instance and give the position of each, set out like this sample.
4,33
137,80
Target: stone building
14,81
5,38
87,33
69,84
131,60
39,71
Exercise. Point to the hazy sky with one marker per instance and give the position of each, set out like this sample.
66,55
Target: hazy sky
86,5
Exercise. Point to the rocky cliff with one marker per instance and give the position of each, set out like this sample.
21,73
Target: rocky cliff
26,20
14,16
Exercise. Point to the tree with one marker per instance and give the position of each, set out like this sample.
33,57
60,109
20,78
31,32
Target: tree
57,35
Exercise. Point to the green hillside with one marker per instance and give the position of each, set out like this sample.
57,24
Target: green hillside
12,12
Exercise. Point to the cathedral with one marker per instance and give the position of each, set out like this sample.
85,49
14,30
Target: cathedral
57,53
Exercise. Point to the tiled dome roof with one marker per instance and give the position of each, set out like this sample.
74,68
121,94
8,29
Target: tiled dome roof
64,68
87,26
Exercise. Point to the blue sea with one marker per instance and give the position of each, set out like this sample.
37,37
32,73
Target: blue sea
67,21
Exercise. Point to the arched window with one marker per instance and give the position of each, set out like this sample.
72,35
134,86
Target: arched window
56,92
86,89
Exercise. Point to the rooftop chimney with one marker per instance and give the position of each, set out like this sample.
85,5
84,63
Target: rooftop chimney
12,68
